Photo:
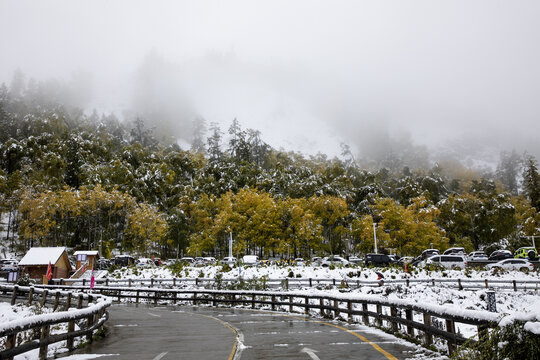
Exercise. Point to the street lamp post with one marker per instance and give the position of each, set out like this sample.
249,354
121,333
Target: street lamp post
375,236
230,244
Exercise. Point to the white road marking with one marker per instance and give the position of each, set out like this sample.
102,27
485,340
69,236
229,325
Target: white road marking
156,315
310,352
160,356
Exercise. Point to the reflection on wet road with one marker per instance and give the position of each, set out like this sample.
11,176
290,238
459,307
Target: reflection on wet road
185,332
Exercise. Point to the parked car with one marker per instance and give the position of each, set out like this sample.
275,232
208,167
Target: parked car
187,260
251,260
228,261
9,265
123,260
512,264
209,260
500,255
355,260
334,260
448,261
454,251
145,262
526,253
300,262
103,264
405,260
477,255
377,260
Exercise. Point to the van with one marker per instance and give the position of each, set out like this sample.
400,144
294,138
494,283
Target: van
250,260
448,261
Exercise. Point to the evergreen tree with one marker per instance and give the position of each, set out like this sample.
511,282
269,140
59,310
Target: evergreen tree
531,182
214,142
508,170
199,129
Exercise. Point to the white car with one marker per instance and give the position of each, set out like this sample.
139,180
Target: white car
478,255
229,261
145,262
300,262
512,264
9,265
448,261
250,260
210,260
335,260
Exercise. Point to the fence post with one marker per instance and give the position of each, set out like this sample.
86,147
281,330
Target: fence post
460,287
137,297
310,282
365,316
56,300
349,311
273,302
379,313
44,297
11,341
14,295
306,303
174,282
450,327
89,323
79,301
287,284
68,301
407,282
174,297
253,301
290,304
83,282
321,306
129,282
394,324
214,301
107,282
30,296
486,283
491,302
515,285
409,317
155,296
70,339
195,298
43,348
336,309
152,282
428,337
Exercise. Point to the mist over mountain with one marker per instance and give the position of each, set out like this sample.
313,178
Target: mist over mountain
402,84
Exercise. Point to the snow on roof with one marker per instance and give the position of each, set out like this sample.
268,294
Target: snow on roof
42,255
88,252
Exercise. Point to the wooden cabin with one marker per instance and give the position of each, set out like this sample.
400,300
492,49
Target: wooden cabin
86,257
36,261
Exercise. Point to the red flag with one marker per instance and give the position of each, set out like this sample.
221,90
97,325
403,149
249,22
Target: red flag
92,280
49,271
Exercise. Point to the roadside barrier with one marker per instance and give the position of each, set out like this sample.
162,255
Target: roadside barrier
89,315
291,283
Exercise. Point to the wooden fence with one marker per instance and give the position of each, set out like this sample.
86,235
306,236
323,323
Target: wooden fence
402,317
90,315
290,283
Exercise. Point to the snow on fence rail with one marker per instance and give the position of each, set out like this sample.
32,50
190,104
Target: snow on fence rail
403,317
88,318
517,284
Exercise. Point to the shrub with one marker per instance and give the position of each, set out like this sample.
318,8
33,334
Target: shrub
509,342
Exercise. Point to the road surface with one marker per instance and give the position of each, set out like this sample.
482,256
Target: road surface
199,333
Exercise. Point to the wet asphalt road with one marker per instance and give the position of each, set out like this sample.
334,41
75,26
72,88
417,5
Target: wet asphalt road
185,332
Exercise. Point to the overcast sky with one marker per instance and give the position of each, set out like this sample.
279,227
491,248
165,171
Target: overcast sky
307,74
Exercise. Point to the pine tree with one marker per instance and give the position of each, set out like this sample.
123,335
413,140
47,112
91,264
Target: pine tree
199,129
508,169
531,182
214,142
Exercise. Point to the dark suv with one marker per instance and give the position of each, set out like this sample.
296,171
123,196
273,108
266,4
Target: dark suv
500,255
377,260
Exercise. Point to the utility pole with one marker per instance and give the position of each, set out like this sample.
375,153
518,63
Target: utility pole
375,237
230,244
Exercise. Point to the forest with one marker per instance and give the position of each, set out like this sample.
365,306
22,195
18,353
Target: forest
75,178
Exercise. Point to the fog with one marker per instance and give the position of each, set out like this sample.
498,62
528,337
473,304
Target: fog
452,79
